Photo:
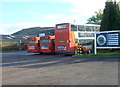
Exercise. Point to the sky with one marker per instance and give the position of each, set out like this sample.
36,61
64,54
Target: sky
18,14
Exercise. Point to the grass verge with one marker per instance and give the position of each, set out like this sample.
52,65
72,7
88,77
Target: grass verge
101,54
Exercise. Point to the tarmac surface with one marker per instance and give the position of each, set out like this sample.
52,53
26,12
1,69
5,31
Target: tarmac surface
22,68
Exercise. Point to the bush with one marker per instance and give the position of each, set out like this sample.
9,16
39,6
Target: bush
13,48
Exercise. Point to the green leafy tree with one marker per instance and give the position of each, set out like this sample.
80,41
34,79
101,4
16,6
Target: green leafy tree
97,17
111,17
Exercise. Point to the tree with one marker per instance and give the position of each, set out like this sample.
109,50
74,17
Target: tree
111,17
97,17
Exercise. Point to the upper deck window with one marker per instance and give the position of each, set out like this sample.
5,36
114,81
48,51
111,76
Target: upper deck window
31,42
62,26
73,27
45,41
81,28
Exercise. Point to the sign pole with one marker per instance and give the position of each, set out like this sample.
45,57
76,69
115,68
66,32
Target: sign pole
95,50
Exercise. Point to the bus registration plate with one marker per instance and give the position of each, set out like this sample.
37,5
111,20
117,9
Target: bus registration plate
32,47
44,47
61,47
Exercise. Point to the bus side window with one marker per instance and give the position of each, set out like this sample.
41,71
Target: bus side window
53,42
38,43
76,41
73,27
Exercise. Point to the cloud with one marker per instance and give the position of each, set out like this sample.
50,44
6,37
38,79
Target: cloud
86,7
51,16
62,18
80,11
57,1
34,13
54,16
12,28
9,29
74,18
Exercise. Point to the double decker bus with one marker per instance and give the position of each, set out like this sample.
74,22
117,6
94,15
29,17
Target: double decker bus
68,36
33,45
47,44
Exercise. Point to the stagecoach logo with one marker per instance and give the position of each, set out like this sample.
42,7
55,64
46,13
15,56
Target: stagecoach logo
101,40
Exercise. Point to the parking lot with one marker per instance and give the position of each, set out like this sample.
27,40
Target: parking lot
22,68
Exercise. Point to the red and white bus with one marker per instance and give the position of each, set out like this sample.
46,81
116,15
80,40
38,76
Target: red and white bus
66,40
33,45
47,44
68,36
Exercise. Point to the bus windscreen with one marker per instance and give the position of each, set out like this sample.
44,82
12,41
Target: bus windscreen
62,26
45,41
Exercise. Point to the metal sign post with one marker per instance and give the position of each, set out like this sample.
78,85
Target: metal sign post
95,50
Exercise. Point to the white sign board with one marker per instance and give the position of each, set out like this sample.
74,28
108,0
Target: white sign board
107,40
41,34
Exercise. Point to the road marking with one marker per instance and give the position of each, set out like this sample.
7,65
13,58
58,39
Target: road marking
30,53
37,64
20,62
